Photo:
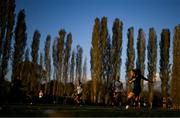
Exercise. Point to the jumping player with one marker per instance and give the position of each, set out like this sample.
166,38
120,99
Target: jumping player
136,77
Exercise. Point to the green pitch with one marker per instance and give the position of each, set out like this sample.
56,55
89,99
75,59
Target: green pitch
81,111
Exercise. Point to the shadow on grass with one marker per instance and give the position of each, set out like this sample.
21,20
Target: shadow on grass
81,111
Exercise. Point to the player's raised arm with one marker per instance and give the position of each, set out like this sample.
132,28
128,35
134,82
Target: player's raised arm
146,79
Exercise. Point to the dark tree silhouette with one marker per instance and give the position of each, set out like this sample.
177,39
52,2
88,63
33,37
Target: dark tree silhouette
67,52
72,67
103,43
3,21
47,61
60,48
20,43
141,49
79,63
130,54
116,46
152,61
35,46
164,63
175,82
7,18
55,65
84,72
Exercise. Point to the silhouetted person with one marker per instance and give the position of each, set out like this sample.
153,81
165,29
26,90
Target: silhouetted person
136,77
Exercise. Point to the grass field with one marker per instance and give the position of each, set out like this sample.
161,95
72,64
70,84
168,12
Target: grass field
81,111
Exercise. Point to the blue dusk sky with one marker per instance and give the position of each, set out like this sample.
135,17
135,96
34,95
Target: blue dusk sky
77,17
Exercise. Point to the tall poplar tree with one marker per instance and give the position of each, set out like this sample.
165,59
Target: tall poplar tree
141,49
152,61
164,62
103,44
55,65
95,59
67,53
130,54
116,46
47,60
72,67
20,43
3,21
175,82
108,66
7,18
79,63
60,55
35,46
84,72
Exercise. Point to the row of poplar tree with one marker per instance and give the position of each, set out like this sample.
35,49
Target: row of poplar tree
106,58
31,75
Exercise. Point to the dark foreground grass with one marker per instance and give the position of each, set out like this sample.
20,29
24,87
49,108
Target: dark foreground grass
82,111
